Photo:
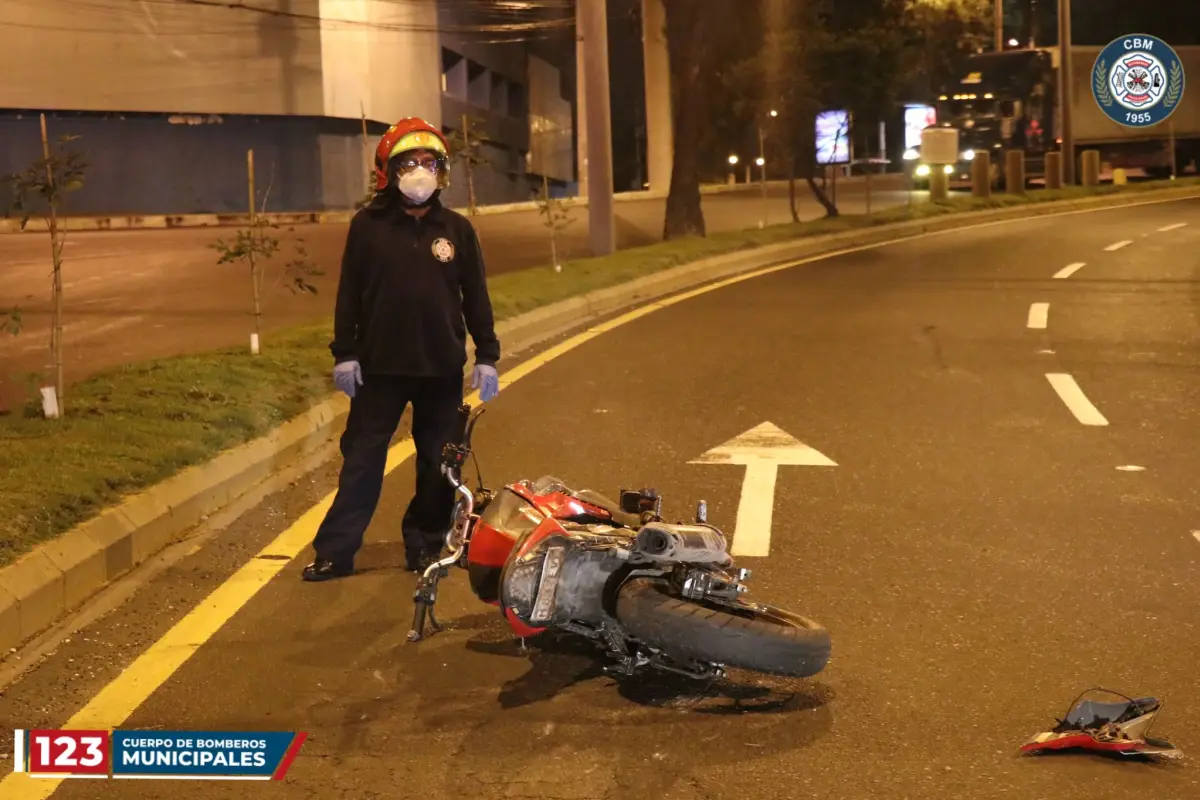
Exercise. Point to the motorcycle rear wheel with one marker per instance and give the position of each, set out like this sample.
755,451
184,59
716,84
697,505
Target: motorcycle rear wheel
744,636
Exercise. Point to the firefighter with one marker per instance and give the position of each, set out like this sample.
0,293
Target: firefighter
412,275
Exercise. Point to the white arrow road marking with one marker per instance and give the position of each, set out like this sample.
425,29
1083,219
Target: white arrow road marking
1038,313
1197,535
1069,270
762,451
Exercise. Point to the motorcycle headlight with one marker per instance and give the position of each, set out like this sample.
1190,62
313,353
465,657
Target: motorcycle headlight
547,591
923,171
531,585
968,155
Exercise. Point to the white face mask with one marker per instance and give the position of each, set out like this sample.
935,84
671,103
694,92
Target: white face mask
418,185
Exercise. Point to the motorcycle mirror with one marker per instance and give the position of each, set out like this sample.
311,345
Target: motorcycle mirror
459,432
701,512
469,424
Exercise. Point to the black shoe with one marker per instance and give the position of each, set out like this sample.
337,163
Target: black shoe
325,570
420,561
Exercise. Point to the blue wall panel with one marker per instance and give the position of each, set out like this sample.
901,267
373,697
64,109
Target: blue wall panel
144,164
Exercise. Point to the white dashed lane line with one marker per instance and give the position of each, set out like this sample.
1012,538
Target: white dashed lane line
1064,385
1069,270
1074,399
1038,313
1197,535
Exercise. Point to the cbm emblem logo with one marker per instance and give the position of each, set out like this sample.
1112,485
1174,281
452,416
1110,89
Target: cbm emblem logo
1137,80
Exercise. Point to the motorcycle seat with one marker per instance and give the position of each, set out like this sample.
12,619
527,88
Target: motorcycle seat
622,518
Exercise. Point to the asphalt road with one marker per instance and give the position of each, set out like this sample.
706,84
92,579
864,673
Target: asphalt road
135,295
977,552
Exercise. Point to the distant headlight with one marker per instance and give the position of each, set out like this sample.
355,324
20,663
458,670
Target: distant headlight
911,155
923,171
968,155
948,169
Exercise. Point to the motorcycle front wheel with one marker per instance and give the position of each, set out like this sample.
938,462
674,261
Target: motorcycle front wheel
742,635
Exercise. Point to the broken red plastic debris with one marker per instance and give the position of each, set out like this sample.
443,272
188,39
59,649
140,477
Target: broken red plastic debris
1121,727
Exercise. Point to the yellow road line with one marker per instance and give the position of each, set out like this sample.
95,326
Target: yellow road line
117,701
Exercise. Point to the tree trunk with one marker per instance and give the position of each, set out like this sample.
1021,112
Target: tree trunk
469,157
807,148
791,162
685,29
822,198
256,235
56,248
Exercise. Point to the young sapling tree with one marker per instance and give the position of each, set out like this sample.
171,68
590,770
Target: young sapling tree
41,188
254,247
555,216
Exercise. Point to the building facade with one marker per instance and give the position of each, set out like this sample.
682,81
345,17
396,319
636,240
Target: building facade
168,95
512,93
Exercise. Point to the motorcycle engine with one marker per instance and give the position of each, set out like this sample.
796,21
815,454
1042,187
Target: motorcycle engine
562,579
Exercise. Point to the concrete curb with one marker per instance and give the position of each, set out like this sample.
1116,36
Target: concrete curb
60,576
171,221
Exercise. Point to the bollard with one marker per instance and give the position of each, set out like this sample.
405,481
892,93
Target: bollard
1014,172
939,183
1090,172
1054,172
1119,177
981,174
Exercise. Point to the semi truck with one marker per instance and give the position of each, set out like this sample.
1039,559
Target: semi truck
1010,100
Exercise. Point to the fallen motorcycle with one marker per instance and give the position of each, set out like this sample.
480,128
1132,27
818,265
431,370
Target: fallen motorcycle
651,593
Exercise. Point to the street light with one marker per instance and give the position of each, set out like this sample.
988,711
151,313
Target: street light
761,161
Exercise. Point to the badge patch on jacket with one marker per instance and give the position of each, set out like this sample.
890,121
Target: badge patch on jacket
443,250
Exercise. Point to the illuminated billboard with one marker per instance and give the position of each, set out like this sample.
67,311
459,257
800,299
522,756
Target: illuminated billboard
833,137
916,119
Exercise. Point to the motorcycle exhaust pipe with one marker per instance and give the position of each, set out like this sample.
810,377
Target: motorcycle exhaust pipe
687,544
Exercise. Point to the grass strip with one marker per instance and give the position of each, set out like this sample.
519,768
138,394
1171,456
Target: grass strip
131,427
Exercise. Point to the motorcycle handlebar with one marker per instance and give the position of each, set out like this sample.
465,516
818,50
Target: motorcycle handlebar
459,432
455,453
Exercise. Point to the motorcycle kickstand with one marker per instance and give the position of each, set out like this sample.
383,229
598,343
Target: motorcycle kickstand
434,625
425,598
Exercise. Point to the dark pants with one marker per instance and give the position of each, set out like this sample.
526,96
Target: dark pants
375,414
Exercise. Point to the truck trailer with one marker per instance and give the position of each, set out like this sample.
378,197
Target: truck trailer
1010,100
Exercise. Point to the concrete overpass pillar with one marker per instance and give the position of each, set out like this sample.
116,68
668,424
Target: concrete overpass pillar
580,105
592,15
660,140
